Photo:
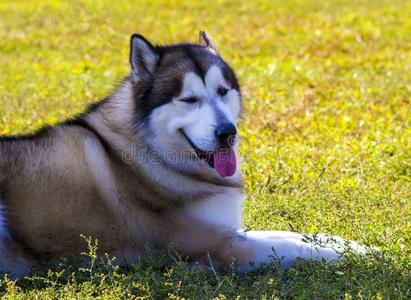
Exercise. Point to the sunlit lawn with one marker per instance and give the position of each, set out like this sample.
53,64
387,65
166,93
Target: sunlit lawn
326,134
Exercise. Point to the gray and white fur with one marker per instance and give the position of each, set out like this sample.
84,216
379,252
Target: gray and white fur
140,167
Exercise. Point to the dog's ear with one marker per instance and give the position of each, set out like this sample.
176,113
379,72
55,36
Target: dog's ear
143,58
205,41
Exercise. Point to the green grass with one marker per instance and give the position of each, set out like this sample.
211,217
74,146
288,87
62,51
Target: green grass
326,134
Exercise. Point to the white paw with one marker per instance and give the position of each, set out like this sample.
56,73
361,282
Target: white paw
286,247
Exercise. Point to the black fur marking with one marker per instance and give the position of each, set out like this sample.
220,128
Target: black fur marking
166,81
198,68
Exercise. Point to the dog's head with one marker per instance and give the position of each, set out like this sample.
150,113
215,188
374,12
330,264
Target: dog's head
190,100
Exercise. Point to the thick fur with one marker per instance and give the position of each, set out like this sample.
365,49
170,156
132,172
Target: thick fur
124,173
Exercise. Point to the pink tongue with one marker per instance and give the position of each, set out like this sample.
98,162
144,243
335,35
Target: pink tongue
225,162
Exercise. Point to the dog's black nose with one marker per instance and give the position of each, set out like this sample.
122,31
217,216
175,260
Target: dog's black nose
226,135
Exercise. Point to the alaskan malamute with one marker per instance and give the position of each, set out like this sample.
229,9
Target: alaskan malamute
154,163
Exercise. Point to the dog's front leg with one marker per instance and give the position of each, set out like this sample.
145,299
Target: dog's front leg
287,247
245,251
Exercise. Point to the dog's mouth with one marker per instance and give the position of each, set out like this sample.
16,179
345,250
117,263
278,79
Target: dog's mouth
223,160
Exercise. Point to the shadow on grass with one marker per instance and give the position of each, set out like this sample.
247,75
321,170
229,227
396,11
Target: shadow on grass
167,275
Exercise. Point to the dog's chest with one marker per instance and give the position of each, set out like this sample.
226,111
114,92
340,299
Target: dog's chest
223,209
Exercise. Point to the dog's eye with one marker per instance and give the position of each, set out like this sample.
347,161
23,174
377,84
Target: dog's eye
222,91
189,100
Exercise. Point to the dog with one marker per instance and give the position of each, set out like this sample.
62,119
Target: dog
154,163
